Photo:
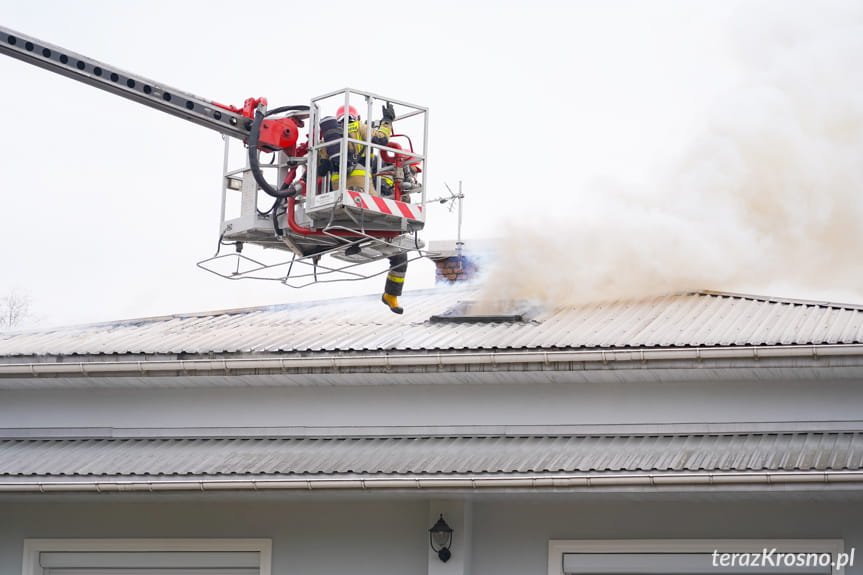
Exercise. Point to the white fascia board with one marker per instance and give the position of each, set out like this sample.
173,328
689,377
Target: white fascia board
461,365
686,428
782,480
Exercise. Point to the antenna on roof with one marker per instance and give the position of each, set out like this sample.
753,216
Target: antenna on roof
451,199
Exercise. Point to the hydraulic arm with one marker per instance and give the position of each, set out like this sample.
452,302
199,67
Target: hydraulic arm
225,119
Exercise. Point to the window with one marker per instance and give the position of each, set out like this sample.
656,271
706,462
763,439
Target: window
147,556
698,557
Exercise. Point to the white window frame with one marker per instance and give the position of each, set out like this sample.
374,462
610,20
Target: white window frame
558,547
33,547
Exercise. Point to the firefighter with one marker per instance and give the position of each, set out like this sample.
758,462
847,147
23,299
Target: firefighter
332,131
357,130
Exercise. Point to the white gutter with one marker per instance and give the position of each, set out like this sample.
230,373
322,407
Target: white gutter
492,359
473,482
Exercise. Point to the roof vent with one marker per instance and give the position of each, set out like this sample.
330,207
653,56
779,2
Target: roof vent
470,312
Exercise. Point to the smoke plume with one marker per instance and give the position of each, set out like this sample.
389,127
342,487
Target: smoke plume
770,194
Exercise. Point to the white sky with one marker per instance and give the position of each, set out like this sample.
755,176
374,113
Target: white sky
537,107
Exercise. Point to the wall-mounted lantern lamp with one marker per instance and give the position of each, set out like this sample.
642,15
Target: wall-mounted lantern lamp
440,538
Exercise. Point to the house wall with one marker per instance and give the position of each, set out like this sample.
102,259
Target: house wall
528,526
389,536
382,535
485,404
385,538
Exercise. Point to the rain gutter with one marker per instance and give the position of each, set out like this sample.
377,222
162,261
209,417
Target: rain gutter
782,479
493,360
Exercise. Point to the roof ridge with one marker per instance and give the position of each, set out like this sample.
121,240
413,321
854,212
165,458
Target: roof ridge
781,300
228,311
677,435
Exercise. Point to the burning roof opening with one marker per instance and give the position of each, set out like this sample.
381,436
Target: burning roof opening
473,312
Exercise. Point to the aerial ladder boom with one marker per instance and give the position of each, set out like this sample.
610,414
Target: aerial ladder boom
224,119
313,213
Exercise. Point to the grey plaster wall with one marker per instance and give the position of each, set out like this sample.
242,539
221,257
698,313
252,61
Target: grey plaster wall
528,525
389,536
381,538
511,404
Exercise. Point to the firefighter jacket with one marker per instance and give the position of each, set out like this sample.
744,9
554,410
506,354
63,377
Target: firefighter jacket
357,152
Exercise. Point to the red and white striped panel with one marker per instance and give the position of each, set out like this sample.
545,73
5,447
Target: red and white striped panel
385,206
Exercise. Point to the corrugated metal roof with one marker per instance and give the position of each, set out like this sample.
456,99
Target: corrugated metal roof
701,319
285,457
